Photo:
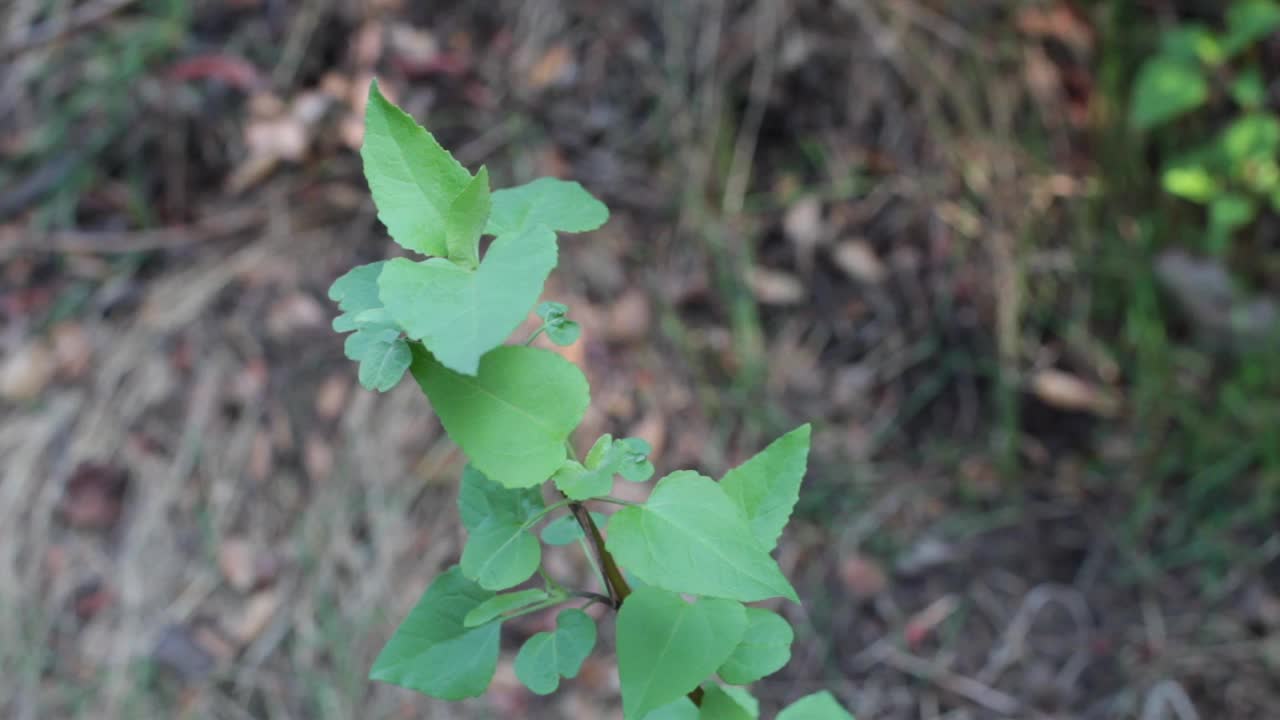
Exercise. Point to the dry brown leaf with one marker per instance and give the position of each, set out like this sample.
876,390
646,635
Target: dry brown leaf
629,317
94,496
317,457
26,373
236,560
293,312
414,46
802,222
862,576
255,616
775,287
1065,391
859,261
556,66
72,348
331,397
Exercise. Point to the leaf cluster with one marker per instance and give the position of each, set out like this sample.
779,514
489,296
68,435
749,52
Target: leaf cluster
698,549
1235,173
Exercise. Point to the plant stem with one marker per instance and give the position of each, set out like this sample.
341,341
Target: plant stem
617,584
535,335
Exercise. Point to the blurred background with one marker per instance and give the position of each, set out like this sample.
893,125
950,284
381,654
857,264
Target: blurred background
1019,262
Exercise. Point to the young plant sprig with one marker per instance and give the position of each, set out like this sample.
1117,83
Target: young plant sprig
697,549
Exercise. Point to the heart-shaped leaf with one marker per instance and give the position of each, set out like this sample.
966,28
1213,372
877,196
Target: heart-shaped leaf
500,554
765,648
513,417
461,314
690,537
548,656
666,646
557,204
433,651
413,180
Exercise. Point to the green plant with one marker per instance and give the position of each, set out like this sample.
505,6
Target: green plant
1234,173
512,410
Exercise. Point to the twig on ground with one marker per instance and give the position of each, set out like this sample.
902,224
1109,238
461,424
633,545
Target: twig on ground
965,687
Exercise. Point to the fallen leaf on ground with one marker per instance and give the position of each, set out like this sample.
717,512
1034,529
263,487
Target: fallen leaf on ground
862,576
94,496
775,287
331,397
556,66
1065,391
628,317
859,261
26,373
802,223
72,348
255,616
236,557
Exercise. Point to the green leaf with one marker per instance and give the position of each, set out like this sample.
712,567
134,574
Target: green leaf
501,554
433,652
579,483
413,180
560,205
1192,182
357,290
634,464
465,220
551,310
765,648
1249,89
501,604
513,417
728,703
1192,41
564,332
547,656
1229,213
382,362
682,709
565,529
462,314
1249,21
376,343
767,486
818,706
481,499
689,537
1164,89
1255,135
666,646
